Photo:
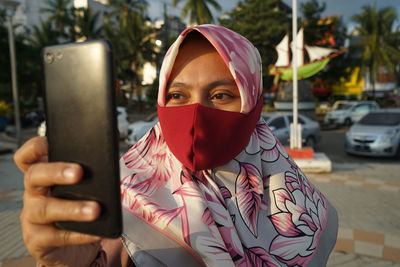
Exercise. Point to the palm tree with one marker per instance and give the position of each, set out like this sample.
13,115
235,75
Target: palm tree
86,22
198,10
43,35
59,14
131,38
375,32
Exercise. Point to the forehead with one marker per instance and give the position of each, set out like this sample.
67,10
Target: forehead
194,46
197,50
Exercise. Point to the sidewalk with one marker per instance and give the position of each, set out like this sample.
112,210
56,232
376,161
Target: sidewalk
366,196
367,199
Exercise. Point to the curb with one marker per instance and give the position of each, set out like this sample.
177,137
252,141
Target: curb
391,186
320,163
368,243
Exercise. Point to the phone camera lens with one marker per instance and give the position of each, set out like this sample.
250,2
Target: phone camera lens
59,55
49,58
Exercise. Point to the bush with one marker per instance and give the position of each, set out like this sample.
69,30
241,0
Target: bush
5,109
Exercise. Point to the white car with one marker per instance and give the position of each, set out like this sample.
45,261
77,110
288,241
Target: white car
350,112
123,124
140,128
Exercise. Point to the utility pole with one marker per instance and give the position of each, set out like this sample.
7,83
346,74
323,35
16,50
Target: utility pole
11,6
295,128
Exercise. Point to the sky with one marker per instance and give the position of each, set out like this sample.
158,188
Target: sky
346,8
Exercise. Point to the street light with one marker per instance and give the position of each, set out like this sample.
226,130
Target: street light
11,6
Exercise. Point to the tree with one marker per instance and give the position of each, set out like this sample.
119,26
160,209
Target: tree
131,38
328,32
60,14
5,72
198,10
43,35
311,11
86,22
264,23
374,28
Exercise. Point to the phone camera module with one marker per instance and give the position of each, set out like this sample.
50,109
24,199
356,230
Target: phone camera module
49,58
60,55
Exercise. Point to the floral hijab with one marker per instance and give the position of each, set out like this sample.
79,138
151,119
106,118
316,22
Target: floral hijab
259,209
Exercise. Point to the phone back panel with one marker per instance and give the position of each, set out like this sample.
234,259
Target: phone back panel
82,128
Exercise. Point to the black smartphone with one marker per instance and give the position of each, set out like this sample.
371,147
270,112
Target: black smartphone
81,122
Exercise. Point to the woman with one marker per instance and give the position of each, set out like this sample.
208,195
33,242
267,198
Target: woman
208,185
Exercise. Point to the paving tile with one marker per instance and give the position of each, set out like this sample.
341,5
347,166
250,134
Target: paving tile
21,262
357,183
370,237
392,254
345,233
346,245
369,185
392,241
390,188
368,249
374,181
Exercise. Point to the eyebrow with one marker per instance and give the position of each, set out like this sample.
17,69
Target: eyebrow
213,84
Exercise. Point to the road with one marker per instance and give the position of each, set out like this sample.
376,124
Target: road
332,144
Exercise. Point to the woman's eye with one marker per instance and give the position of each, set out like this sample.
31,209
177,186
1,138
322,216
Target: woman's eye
175,96
221,96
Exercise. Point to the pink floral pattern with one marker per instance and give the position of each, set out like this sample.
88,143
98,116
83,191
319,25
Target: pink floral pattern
249,188
257,210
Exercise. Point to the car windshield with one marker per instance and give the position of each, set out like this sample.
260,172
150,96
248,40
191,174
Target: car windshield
343,106
386,119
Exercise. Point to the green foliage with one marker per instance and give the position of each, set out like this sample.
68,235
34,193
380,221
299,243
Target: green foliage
377,41
264,23
152,94
5,72
317,33
86,22
198,10
5,109
130,35
60,15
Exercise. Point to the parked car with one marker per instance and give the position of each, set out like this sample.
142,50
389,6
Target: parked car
350,112
280,122
376,134
123,124
140,128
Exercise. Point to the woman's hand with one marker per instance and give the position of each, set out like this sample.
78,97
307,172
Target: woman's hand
49,245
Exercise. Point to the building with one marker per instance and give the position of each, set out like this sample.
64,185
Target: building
28,14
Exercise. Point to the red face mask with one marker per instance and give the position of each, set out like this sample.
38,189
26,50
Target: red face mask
204,138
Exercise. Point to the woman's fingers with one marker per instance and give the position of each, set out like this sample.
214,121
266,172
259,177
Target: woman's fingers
40,176
47,236
34,150
46,210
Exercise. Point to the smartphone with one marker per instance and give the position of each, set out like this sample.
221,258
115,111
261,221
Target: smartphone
81,122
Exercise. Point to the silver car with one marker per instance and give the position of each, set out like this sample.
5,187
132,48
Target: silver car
279,123
376,134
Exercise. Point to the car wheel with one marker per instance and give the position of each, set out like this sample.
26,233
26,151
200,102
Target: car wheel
347,122
310,142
